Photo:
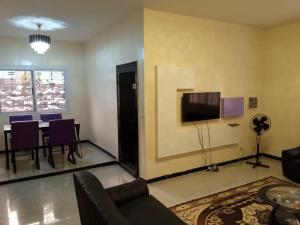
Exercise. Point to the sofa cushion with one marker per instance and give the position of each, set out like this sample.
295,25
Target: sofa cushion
295,162
148,211
292,153
129,191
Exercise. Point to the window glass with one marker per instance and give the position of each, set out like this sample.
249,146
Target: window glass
16,91
50,90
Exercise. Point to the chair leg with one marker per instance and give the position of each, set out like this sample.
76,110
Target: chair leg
50,157
37,159
78,152
13,156
44,146
71,157
63,149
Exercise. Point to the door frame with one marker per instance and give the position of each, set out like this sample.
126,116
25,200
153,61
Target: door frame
123,68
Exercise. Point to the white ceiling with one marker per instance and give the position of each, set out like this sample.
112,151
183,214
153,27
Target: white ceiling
86,18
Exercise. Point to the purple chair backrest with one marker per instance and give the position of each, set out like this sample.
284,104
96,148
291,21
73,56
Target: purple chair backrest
61,132
24,135
16,118
46,117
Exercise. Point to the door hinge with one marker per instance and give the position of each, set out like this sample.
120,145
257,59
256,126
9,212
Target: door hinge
133,86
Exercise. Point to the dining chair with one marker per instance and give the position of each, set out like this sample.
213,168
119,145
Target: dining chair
15,118
46,117
61,133
25,136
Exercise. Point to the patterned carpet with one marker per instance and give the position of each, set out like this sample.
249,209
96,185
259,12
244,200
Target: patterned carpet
240,205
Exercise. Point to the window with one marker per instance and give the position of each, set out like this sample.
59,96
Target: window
32,90
16,91
50,90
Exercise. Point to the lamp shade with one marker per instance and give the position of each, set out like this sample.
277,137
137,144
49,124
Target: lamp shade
40,43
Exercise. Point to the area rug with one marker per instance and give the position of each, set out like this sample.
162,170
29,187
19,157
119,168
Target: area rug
240,205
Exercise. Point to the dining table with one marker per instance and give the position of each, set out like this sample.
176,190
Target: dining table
42,126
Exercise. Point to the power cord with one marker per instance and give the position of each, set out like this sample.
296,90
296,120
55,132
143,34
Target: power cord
200,138
212,167
209,145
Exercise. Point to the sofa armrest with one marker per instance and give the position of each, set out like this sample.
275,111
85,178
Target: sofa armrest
128,192
293,153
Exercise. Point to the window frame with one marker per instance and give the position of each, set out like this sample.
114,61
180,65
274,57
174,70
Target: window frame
33,71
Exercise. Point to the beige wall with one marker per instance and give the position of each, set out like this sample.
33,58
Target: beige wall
226,57
16,52
121,43
281,88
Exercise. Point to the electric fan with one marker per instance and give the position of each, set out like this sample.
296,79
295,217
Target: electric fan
259,124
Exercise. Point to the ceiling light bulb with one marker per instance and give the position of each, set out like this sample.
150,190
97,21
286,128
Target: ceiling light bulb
40,47
40,43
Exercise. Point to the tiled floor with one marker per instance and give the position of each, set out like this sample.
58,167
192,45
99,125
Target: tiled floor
52,200
49,200
192,186
26,167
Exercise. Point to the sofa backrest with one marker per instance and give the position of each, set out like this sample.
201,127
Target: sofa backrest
94,204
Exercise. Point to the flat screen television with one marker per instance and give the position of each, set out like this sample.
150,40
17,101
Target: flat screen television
200,106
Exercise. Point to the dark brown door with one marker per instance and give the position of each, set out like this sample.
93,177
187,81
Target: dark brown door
128,117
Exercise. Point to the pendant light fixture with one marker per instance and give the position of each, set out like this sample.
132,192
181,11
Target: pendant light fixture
39,42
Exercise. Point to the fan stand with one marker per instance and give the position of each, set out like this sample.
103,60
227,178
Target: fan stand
257,163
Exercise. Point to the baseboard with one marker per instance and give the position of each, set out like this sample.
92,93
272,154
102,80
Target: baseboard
57,173
165,177
82,141
64,171
102,149
271,156
128,170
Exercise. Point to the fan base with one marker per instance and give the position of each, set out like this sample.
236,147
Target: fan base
257,164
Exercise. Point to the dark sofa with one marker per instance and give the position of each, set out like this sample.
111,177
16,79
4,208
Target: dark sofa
127,204
291,164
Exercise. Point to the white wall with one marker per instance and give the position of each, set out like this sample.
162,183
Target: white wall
119,44
16,52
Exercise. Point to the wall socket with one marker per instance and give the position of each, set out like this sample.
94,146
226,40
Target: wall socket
252,102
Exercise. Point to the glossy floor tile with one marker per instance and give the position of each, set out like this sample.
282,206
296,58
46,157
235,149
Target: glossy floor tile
52,200
200,184
26,166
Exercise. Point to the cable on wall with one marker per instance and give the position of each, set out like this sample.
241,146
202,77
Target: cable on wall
209,144
200,138
212,167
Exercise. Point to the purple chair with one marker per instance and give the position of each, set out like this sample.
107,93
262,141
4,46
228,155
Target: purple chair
17,118
61,132
46,117
25,136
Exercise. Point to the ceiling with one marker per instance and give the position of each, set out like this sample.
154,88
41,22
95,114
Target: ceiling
87,18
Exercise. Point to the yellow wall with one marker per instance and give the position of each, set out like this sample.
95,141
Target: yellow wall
282,88
227,58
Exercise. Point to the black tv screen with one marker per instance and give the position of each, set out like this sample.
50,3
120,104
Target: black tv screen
200,106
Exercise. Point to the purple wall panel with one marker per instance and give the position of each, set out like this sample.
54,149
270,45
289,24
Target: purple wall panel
232,107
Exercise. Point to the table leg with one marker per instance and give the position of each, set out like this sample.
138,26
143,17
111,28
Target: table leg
6,150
